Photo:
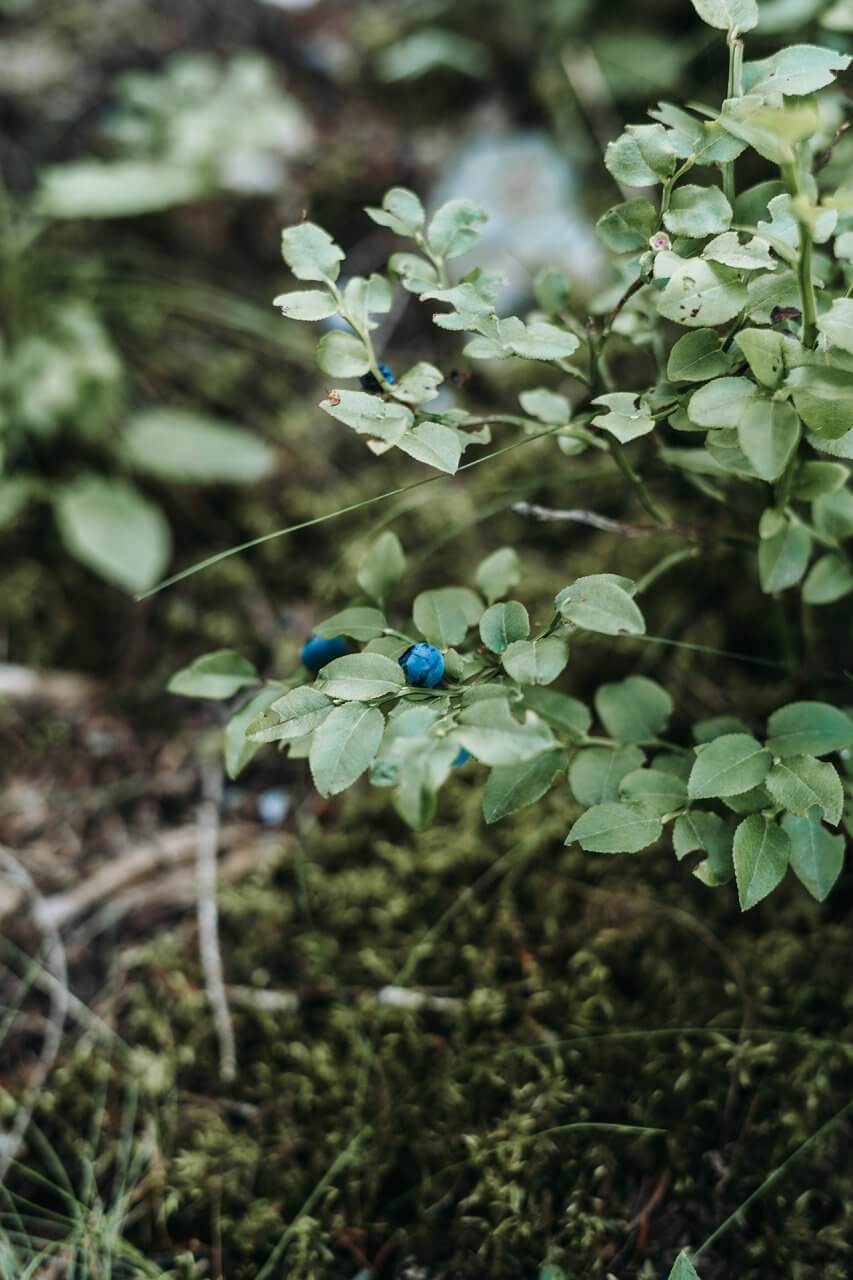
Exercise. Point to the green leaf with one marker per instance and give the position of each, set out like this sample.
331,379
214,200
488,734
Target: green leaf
833,514
342,355
627,415
311,253
415,273
455,228
436,445
361,622
344,746
419,385
498,573
369,415
829,579
535,661
382,567
816,856
768,433
799,782
796,70
634,710
308,304
628,226
697,356
782,559
547,406
725,15
683,1268
641,157
710,833
401,210
771,131
615,828
567,714
727,766
697,294
697,212
442,616
110,528
180,445
118,189
722,403
596,603
239,749
220,674
764,351
761,852
727,249
293,716
534,341
823,397
657,791
715,726
596,772
818,479
808,729
491,733
513,787
358,677
836,324
504,624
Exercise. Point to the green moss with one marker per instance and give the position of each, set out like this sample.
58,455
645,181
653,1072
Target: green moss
590,992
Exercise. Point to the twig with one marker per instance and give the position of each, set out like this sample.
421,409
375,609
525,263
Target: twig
579,516
208,917
55,964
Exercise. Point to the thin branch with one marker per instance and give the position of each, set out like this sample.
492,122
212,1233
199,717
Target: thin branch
208,916
579,516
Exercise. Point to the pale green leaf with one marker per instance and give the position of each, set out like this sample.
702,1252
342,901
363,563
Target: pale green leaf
401,210
504,624
596,772
382,567
239,749
498,573
535,661
369,415
311,253
183,446
697,212
768,433
455,228
783,559
220,674
344,746
342,355
634,710
829,579
836,324
697,356
309,304
110,528
358,677
361,622
595,603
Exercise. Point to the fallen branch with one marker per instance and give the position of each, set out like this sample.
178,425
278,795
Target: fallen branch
208,916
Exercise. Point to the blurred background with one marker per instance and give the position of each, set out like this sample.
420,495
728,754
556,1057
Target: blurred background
156,409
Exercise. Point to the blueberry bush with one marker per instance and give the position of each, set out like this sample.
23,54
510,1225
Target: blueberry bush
716,371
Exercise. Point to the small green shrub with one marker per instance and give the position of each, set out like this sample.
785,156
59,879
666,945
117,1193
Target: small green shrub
724,351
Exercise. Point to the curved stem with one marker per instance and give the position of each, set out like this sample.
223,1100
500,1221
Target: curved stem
621,459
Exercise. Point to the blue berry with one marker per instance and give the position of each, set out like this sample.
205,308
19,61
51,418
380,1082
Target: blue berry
462,758
316,651
423,665
370,382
